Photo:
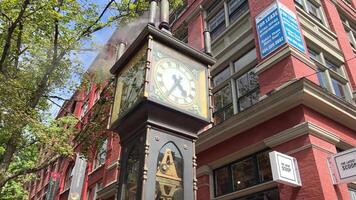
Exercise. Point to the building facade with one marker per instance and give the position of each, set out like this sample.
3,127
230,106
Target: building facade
300,103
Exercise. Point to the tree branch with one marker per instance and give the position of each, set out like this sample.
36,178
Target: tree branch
88,31
29,170
10,31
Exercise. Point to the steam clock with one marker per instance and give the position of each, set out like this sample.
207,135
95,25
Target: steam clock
161,102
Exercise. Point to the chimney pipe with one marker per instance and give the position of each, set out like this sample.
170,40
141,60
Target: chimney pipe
164,15
120,49
207,38
152,14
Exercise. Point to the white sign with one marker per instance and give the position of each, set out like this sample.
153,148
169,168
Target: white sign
285,169
343,166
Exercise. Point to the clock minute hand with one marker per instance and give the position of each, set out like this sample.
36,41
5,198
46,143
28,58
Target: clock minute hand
176,82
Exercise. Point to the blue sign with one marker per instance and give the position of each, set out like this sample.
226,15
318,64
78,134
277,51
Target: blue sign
291,28
269,30
276,26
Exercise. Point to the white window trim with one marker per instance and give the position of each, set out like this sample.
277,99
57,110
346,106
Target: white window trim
328,73
321,10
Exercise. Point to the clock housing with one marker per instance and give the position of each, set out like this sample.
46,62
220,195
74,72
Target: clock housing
161,80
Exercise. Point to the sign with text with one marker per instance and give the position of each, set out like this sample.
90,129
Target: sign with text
343,166
277,25
285,169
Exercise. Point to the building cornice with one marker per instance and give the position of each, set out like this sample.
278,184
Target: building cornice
288,96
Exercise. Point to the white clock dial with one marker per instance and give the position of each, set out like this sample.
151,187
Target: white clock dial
175,82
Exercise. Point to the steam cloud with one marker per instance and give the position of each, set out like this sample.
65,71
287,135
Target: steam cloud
108,54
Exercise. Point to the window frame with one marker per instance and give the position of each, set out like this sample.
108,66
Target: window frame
216,7
225,108
329,74
99,160
319,16
230,172
248,58
350,29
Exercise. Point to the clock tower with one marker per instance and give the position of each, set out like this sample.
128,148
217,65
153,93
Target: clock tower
161,102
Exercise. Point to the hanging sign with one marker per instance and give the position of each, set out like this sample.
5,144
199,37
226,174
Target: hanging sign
343,166
277,25
77,178
285,169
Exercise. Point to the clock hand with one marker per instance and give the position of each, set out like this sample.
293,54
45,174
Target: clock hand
184,93
176,81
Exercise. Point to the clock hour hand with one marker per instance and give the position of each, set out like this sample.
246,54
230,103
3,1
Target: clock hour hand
177,84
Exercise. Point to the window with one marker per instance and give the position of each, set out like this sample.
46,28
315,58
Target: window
237,8
97,187
101,155
217,16
84,109
222,76
97,94
223,104
350,31
217,24
330,74
313,8
68,178
246,84
265,195
352,193
247,90
314,11
181,33
244,173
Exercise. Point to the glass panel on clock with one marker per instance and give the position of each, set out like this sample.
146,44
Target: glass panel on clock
169,175
178,81
129,188
130,85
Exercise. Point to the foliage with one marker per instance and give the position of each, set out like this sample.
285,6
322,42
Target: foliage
14,191
38,43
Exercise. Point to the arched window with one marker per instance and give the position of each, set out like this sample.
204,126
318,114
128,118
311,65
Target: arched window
169,175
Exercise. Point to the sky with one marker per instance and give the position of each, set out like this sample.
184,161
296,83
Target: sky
87,57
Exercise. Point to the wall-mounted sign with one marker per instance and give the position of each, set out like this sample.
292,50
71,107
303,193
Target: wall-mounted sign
285,169
343,166
277,25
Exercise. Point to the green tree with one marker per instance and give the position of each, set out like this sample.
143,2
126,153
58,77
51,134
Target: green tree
37,57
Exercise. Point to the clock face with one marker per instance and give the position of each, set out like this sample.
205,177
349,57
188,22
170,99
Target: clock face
130,85
176,82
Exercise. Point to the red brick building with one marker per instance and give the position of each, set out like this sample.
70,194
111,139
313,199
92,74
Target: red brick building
298,103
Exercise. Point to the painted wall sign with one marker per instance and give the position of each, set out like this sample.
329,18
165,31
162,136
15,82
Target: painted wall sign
285,169
277,25
76,186
343,166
